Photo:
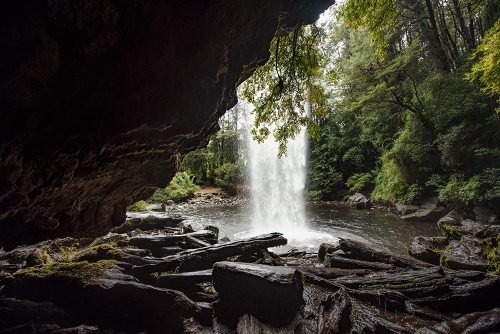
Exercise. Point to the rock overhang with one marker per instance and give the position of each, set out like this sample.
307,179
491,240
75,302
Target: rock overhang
100,101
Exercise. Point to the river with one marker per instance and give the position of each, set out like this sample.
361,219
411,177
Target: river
326,223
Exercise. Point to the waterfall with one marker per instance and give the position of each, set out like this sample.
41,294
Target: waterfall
277,188
277,185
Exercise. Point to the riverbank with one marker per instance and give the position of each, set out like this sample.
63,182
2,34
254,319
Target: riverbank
158,275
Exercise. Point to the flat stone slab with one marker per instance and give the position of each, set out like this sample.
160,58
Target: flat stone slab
273,294
424,215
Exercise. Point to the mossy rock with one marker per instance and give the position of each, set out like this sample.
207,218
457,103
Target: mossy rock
84,271
147,224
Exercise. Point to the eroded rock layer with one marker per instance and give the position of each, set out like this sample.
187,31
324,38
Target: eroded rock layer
100,100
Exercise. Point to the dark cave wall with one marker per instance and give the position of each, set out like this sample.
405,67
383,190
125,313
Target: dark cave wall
99,100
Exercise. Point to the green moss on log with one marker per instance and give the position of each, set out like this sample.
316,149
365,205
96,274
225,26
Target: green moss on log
84,271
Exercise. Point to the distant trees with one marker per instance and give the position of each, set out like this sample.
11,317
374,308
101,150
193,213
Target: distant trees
402,119
222,162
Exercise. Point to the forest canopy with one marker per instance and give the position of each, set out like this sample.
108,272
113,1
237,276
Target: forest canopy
401,95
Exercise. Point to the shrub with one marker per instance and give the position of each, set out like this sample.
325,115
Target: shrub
138,206
180,188
228,176
359,181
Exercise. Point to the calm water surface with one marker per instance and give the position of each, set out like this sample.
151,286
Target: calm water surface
326,223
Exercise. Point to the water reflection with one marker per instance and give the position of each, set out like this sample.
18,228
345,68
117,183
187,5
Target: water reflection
326,223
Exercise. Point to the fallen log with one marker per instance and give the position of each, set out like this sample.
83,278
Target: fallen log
330,273
335,261
196,243
334,313
465,298
160,240
413,284
204,258
477,322
181,281
389,299
364,252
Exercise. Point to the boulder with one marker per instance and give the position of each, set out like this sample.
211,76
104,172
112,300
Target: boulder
406,209
271,294
485,214
464,255
429,202
359,201
424,215
428,249
100,293
451,218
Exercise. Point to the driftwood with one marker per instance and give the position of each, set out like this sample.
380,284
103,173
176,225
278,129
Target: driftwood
364,252
335,261
203,258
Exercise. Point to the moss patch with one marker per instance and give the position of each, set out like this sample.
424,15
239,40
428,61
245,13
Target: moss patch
84,271
449,231
490,249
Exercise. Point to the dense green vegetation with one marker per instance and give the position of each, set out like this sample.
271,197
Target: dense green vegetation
403,119
400,96
179,189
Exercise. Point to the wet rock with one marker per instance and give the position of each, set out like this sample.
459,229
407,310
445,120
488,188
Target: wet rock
359,201
477,322
272,294
424,215
324,249
452,218
428,249
464,255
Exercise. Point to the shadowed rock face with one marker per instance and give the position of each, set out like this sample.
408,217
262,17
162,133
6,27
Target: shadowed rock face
100,100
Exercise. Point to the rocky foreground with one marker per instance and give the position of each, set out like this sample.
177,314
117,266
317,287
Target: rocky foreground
157,275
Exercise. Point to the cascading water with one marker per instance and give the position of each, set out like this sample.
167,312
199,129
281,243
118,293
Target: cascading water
277,191
277,185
